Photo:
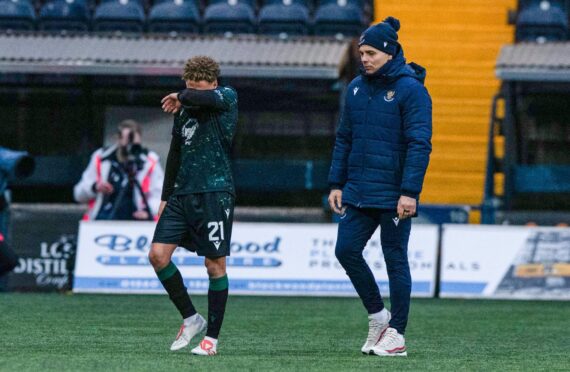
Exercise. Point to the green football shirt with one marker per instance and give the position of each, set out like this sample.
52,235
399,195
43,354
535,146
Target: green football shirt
205,135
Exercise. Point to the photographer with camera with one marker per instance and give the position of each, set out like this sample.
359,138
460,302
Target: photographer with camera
123,181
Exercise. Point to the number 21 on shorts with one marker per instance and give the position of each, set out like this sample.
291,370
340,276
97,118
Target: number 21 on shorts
216,231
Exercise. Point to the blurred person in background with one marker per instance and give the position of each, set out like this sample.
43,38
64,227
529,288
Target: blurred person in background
8,259
379,162
13,165
198,197
122,181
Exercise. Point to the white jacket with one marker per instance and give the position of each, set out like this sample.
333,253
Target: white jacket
150,178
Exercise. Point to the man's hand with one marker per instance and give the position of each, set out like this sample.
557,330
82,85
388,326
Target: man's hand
161,208
406,207
140,215
171,104
104,188
335,202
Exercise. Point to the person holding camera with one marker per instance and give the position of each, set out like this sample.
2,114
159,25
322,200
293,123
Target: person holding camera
123,181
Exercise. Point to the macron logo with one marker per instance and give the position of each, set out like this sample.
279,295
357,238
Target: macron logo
396,220
355,90
217,245
227,213
385,44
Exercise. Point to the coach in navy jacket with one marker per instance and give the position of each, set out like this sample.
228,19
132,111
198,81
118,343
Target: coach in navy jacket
379,162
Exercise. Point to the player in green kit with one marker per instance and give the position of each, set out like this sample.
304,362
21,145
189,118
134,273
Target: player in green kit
198,197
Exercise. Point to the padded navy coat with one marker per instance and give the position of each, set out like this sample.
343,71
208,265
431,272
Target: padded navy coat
383,141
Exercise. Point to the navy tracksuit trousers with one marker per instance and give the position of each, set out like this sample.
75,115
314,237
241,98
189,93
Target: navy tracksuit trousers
354,231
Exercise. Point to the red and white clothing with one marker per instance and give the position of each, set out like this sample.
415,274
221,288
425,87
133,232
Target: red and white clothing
150,177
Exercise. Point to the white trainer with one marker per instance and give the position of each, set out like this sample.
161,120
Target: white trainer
188,330
377,325
207,347
391,344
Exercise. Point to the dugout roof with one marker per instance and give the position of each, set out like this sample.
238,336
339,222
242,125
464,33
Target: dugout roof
251,56
535,62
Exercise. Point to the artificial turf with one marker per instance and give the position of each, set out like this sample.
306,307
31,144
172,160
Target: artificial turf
55,332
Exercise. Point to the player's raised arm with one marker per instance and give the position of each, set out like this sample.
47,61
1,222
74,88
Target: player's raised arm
211,99
204,99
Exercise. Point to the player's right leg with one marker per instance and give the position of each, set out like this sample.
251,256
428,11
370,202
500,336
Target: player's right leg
354,231
169,231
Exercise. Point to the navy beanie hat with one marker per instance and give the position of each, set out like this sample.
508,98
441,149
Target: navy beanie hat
382,36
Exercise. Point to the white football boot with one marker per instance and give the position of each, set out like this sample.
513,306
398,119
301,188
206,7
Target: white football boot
190,328
391,344
377,325
207,347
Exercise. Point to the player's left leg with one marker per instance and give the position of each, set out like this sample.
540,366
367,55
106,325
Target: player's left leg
170,277
214,220
394,236
217,298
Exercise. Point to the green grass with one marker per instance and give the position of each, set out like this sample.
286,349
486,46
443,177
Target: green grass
133,333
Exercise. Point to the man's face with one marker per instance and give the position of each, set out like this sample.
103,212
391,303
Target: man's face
124,137
201,85
373,59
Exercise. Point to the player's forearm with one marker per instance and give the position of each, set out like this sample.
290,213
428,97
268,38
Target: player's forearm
207,99
171,171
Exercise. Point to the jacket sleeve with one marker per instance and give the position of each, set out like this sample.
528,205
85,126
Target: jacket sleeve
157,178
83,190
215,99
343,145
417,125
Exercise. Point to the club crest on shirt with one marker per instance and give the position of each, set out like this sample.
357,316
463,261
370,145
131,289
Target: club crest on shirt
389,97
189,130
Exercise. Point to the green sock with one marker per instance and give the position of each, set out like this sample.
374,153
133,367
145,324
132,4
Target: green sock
172,281
217,298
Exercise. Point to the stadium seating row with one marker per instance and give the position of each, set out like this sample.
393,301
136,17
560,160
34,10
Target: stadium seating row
542,20
202,3
286,17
